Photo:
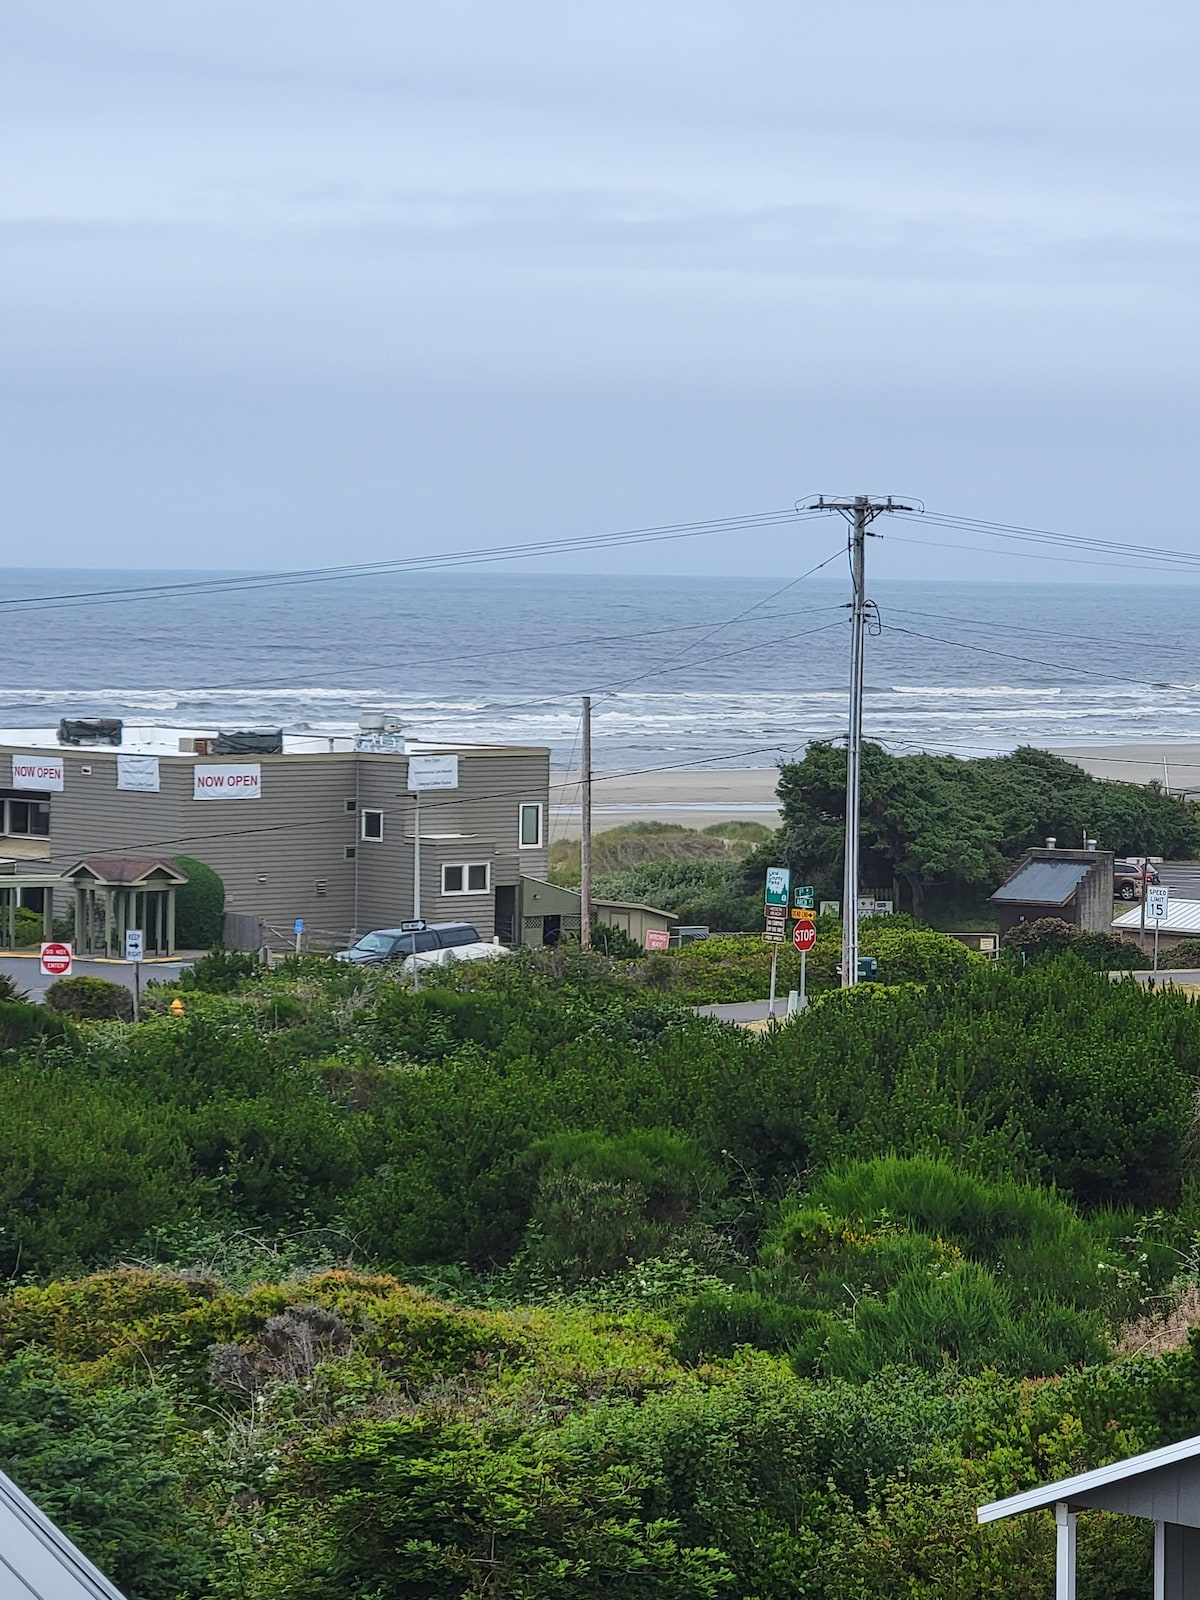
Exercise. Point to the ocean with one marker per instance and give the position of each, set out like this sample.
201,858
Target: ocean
683,671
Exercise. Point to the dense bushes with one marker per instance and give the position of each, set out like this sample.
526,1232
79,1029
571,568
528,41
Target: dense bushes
793,1286
94,998
199,906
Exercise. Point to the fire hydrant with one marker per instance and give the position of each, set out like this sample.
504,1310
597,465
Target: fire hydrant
176,1008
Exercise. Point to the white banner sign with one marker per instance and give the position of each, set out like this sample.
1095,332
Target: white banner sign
432,772
37,772
228,781
138,772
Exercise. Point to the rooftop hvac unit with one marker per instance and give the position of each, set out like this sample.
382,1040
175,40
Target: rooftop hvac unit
249,742
371,721
90,730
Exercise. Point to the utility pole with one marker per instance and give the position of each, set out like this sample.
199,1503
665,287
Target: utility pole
860,512
585,832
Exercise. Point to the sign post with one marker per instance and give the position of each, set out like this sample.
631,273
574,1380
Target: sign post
414,926
135,949
1157,897
56,960
298,930
775,910
804,936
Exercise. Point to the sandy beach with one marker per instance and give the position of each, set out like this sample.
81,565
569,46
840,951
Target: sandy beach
1175,766
692,798
696,798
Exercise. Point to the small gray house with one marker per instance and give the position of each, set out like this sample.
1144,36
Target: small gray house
1074,885
37,1560
1161,1485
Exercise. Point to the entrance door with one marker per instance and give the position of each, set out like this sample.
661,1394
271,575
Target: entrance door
506,913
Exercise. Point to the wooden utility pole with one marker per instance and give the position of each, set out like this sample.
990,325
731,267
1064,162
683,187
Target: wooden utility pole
585,833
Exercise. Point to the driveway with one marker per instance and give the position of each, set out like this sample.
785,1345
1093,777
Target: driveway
26,972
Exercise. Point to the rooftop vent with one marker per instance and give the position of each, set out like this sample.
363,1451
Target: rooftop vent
1052,844
90,730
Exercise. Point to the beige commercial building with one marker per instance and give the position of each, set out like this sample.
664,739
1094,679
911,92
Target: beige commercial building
322,830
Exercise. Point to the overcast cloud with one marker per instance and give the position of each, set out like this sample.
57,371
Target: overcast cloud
285,282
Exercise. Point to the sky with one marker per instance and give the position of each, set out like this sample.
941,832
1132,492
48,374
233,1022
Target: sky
285,283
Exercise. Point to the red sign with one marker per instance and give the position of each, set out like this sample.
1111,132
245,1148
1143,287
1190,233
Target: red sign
804,936
56,960
658,939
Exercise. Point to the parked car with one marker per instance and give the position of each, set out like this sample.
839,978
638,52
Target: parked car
449,954
1130,878
392,944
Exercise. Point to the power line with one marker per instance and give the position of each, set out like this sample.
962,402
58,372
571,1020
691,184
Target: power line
429,562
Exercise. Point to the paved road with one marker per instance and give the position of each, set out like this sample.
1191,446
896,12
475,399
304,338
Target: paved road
1182,878
27,973
744,1011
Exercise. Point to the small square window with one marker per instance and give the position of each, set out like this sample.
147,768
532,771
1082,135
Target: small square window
530,826
469,877
351,805
372,825
350,852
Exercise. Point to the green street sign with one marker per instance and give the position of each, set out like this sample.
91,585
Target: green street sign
804,897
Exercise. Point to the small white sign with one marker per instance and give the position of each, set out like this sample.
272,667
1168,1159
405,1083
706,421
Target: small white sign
1157,896
38,772
139,773
135,946
227,781
831,908
432,772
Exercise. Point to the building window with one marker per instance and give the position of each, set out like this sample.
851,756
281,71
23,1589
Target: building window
472,877
530,826
25,817
350,852
372,825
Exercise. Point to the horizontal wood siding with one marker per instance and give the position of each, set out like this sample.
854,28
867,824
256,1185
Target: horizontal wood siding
273,852
483,810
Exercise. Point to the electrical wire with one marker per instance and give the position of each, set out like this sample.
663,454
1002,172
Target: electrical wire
429,562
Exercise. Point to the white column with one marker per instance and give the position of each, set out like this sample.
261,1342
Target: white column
1160,1561
1064,1563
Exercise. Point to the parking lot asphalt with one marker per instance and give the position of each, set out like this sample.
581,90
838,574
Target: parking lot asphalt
26,973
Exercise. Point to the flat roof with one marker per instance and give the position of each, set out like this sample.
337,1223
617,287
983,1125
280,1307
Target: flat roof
150,739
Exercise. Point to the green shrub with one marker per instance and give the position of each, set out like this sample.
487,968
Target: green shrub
603,1202
29,929
199,906
716,1325
9,990
1182,955
22,1023
223,972
93,999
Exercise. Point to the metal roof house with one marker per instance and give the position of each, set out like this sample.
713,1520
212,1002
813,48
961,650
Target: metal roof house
1182,921
37,1560
1074,885
1160,1485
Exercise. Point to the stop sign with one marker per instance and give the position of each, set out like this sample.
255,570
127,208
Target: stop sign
804,936
56,960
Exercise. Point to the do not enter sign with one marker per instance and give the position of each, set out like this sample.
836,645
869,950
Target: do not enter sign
56,960
804,936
